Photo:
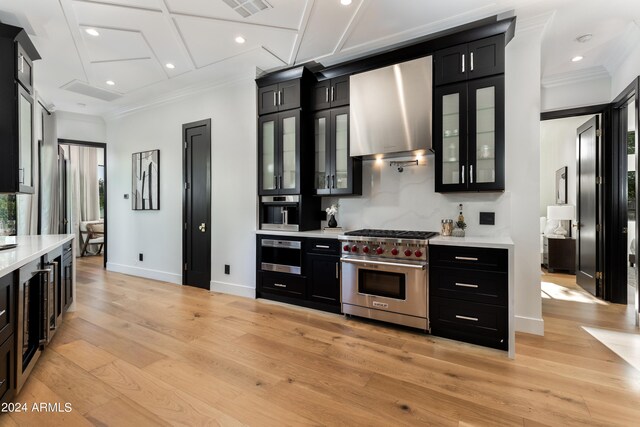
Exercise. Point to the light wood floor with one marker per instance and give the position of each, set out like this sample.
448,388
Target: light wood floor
139,352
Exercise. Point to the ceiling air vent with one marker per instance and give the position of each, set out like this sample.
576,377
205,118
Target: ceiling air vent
247,8
87,90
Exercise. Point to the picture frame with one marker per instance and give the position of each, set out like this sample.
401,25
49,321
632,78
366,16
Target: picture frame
561,186
145,180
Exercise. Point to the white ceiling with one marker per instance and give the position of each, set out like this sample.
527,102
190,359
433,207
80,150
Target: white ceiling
138,37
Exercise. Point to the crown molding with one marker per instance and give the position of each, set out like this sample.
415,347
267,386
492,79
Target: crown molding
175,95
577,76
627,41
534,23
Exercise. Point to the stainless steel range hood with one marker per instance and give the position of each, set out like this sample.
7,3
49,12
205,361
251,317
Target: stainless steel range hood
391,110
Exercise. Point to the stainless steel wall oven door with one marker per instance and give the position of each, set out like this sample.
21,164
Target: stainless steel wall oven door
394,292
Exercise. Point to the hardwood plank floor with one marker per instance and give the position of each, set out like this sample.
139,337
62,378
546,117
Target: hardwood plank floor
140,352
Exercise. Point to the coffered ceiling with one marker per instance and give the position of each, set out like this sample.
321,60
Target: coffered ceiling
137,38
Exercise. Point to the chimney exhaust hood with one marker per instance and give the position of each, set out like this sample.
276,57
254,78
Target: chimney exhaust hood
391,110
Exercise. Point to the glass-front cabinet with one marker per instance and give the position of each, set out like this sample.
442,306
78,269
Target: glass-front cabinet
469,136
335,172
279,153
25,141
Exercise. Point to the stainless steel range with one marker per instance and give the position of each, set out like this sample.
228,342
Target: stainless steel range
385,276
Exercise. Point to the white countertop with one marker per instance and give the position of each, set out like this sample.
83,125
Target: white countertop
30,248
473,241
319,234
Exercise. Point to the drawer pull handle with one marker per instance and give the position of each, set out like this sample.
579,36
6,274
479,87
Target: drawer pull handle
280,285
466,258
473,319
2,312
322,246
466,285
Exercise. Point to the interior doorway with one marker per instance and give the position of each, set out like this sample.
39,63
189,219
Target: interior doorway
83,192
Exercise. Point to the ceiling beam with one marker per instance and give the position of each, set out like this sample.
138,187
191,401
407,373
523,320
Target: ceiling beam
308,11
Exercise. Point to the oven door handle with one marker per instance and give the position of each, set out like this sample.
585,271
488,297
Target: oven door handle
386,264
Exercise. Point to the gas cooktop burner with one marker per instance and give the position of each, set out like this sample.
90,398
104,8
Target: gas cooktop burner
393,234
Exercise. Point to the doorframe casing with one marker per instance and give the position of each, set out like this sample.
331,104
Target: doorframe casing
185,126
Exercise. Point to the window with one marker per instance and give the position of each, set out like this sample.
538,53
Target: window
8,226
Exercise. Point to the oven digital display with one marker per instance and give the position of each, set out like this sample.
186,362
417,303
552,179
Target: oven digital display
382,284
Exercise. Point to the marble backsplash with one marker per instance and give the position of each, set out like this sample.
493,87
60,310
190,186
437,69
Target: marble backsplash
406,200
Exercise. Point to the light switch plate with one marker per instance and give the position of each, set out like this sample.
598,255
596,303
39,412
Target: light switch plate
487,218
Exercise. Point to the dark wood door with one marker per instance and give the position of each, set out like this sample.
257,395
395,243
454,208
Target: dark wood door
587,235
268,99
324,278
486,57
450,137
339,91
197,204
450,65
62,185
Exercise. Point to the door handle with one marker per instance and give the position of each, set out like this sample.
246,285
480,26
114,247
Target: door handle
332,97
328,181
326,94
462,174
275,99
203,227
463,62
471,174
333,181
624,230
337,270
471,61
279,97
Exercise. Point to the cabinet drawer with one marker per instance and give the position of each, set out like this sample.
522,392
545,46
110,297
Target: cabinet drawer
7,306
476,323
323,246
283,284
489,259
7,368
469,285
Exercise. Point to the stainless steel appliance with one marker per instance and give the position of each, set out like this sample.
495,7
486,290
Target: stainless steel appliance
284,256
280,213
38,314
385,276
391,110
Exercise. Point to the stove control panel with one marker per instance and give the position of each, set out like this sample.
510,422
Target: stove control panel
386,250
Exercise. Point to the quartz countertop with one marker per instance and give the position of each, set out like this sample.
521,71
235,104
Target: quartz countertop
28,249
319,234
474,241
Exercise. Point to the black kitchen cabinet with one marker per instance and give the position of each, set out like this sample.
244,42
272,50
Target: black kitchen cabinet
330,93
7,306
279,153
468,135
67,274
7,370
16,110
279,97
468,294
335,172
318,284
468,61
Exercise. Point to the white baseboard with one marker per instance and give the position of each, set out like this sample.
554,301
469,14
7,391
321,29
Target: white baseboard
529,325
233,289
145,272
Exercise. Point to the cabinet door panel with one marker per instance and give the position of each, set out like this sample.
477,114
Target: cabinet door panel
322,154
25,132
324,278
289,95
450,137
289,143
341,169
267,152
321,98
268,99
450,65
7,306
486,134
24,68
340,91
7,370
486,57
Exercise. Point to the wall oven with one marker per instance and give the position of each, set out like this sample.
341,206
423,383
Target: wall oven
284,256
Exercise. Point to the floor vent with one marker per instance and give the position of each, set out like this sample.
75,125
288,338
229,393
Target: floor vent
85,89
247,8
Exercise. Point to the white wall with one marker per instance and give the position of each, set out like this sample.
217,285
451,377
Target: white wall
558,149
158,234
576,94
81,127
629,68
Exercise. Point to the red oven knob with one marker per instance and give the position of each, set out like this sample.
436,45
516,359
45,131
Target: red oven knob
394,251
346,248
354,248
379,250
407,252
365,249
418,253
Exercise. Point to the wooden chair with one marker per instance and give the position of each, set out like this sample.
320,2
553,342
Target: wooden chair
95,236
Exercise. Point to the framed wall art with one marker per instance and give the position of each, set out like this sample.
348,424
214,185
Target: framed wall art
145,181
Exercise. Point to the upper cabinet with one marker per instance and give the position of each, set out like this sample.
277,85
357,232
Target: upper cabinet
17,54
467,61
279,97
279,153
335,172
330,93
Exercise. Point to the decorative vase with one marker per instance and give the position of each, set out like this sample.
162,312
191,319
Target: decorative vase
332,223
457,232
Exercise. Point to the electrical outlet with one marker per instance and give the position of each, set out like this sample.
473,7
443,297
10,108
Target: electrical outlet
227,269
140,257
487,218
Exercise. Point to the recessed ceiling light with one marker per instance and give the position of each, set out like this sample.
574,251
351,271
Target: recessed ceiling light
577,58
345,2
92,32
170,66
240,40
584,38
110,82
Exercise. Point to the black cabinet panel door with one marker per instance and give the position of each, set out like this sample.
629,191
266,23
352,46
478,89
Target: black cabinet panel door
289,95
323,272
7,306
268,99
321,96
486,57
7,370
340,91
450,65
